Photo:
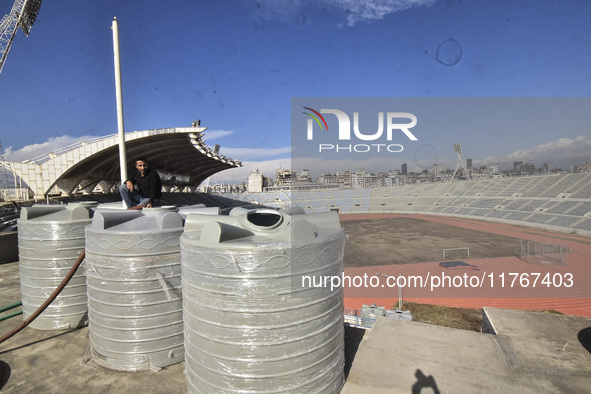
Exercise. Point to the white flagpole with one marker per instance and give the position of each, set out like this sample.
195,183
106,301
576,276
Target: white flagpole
120,125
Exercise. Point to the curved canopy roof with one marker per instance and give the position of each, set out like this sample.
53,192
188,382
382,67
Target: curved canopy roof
178,154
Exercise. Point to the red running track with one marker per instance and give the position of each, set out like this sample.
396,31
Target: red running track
506,282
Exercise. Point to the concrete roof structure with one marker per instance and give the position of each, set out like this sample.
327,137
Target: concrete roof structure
519,352
179,154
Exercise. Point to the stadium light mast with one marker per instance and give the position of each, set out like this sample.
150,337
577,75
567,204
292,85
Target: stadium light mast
23,14
120,124
461,162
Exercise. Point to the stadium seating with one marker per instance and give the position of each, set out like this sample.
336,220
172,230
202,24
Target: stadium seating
557,202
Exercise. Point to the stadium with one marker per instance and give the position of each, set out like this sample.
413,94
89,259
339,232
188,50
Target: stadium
203,294
557,202
518,243
541,214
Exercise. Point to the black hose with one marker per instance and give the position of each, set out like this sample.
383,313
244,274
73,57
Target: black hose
47,302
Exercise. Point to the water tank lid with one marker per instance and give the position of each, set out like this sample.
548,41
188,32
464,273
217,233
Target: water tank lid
89,204
264,219
29,213
163,208
136,221
259,226
201,210
57,213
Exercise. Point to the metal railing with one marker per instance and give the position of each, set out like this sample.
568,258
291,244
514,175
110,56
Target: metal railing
14,194
353,318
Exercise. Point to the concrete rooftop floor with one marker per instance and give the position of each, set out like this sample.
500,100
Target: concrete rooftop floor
531,352
40,361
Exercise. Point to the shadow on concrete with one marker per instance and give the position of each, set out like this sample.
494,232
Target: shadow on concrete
4,373
353,337
424,382
584,337
39,341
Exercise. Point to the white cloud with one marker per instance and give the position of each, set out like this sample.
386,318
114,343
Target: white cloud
253,153
238,175
214,134
367,10
562,152
357,10
31,151
243,153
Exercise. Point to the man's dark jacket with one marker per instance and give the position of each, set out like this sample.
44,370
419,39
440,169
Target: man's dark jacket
150,185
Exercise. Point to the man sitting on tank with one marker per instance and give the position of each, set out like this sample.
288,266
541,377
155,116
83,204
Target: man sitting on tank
149,186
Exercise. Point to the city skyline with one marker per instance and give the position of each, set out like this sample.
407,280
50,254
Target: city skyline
399,177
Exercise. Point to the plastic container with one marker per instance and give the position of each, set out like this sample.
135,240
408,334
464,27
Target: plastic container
51,237
134,295
250,324
200,209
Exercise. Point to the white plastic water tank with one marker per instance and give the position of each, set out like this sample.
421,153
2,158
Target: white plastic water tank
250,324
134,295
50,238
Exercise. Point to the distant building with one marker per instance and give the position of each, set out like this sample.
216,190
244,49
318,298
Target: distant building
344,179
357,180
517,167
304,176
283,177
370,180
392,180
469,163
255,182
438,169
404,169
529,168
328,179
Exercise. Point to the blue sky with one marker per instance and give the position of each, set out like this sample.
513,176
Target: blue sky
236,65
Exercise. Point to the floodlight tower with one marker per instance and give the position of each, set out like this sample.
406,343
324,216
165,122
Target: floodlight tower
461,162
23,14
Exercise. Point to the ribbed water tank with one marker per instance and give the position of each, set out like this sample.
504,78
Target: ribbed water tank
133,272
50,238
251,326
